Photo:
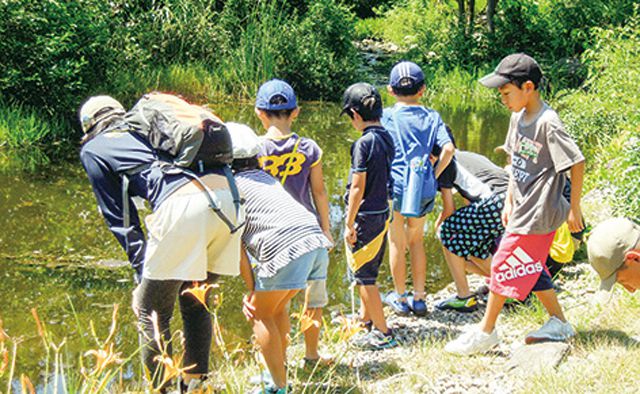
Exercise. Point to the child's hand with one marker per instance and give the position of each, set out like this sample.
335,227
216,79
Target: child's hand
506,213
327,233
350,236
247,307
575,220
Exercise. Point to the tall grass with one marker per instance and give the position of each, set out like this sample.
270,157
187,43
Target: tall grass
255,57
458,89
27,141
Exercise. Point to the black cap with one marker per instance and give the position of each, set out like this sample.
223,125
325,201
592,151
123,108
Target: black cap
364,99
516,67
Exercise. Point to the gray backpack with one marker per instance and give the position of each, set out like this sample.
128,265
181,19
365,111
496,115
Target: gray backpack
189,139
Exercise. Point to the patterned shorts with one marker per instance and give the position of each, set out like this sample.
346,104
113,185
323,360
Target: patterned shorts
473,230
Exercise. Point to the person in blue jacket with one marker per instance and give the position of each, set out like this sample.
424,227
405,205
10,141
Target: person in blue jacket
186,241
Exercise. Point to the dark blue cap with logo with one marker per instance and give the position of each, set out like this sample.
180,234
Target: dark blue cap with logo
275,95
364,99
406,75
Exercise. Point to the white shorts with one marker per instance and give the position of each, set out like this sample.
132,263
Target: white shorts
186,239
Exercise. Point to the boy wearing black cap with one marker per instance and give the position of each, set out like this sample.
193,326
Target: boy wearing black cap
541,154
415,131
367,220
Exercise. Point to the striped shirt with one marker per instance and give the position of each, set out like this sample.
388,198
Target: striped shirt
278,229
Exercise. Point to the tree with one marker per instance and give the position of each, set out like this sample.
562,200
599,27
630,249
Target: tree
491,11
467,14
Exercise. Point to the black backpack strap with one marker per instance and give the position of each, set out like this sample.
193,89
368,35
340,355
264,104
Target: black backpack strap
237,201
126,219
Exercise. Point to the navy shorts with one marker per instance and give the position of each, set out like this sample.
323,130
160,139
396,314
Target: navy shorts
369,228
426,205
544,282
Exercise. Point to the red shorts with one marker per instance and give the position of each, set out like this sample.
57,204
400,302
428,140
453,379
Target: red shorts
518,263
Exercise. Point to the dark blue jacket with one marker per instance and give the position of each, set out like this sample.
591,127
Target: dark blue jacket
105,158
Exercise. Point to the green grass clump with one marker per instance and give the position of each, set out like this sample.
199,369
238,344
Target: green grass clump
27,141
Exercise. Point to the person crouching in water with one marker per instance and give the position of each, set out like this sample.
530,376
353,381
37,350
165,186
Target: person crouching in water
286,246
174,256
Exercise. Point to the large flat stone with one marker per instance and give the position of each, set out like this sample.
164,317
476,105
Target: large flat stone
537,357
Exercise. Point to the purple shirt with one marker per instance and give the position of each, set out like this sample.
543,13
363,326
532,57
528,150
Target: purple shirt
290,160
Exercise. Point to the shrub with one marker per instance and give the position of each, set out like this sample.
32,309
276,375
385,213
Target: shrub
317,54
53,52
556,33
604,116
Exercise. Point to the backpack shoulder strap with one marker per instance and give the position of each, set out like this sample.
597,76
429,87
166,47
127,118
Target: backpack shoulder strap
237,201
126,218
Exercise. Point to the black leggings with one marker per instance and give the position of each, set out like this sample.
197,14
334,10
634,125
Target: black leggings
160,296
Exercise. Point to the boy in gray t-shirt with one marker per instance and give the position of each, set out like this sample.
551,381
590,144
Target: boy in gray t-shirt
541,154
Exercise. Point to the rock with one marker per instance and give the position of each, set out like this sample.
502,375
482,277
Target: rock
112,263
534,358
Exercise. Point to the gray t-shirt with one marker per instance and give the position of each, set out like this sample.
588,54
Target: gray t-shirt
541,152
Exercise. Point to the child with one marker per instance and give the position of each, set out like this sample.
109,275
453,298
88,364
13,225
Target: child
367,217
541,152
469,235
296,162
286,245
415,130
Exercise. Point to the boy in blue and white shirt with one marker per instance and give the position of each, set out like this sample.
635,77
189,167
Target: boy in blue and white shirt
415,131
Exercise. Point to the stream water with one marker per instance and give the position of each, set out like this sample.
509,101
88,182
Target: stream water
57,255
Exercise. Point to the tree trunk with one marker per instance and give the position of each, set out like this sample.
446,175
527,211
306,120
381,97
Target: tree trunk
472,15
491,11
461,16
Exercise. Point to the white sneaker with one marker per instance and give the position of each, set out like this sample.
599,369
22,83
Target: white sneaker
553,330
472,342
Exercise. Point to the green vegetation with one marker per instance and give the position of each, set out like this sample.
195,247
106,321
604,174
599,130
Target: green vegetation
27,141
441,33
604,116
58,53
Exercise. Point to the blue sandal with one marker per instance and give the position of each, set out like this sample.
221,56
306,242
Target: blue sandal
418,307
398,305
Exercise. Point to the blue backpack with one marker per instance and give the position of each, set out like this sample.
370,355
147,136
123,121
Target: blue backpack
412,171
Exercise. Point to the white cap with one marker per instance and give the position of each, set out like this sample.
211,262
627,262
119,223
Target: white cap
245,142
98,108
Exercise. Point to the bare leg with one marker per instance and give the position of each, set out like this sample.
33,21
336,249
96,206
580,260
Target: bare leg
457,268
373,306
549,300
415,231
494,306
397,249
284,326
483,266
472,268
312,335
268,305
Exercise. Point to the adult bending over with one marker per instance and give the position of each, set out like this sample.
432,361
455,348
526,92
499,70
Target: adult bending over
186,240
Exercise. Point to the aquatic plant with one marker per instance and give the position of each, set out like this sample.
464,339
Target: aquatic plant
27,140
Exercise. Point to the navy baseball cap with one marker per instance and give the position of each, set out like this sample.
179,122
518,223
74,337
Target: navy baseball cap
364,98
515,67
406,75
275,95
